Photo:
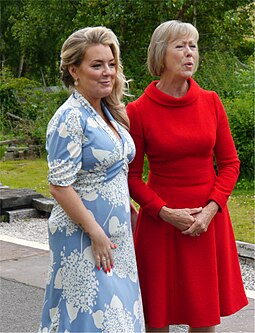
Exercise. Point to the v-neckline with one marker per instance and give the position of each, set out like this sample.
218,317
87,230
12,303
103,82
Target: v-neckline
112,125
116,136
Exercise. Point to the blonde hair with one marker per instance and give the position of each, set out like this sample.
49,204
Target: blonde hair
165,32
72,53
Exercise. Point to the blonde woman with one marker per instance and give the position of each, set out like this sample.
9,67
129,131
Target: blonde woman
93,283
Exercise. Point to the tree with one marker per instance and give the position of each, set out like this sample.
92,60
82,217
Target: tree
37,27
9,48
33,31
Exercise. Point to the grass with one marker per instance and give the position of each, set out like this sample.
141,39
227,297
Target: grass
33,174
241,208
25,174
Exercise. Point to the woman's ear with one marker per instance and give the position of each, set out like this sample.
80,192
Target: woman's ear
73,71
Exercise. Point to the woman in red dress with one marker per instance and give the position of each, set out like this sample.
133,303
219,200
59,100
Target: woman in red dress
186,251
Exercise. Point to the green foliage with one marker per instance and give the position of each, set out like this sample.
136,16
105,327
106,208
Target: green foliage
245,184
50,101
13,96
36,30
224,73
2,151
26,107
241,118
233,81
33,31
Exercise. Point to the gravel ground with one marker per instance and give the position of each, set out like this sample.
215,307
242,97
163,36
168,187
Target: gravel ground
35,229
32,229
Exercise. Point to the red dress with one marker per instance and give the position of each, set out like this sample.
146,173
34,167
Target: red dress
184,280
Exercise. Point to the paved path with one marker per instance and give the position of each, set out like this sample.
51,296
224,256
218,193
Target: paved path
23,274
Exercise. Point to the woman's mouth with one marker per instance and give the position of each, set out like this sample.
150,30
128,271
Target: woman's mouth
189,65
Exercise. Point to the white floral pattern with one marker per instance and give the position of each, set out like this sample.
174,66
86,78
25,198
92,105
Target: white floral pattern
125,264
85,153
114,318
78,280
50,270
59,221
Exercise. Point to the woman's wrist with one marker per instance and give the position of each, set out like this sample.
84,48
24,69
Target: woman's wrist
212,208
164,213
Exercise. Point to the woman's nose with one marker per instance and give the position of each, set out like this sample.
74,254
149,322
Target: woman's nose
107,70
188,50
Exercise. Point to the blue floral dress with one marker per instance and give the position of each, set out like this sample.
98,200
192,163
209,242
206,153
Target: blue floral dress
84,152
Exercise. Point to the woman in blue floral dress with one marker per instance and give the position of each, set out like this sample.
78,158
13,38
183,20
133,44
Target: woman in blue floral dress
92,282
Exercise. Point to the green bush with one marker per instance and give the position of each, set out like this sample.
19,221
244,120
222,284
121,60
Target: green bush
240,114
222,73
50,101
26,107
225,74
15,94
233,82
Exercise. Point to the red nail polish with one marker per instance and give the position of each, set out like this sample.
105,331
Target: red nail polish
98,268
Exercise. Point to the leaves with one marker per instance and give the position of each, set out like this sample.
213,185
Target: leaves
37,29
33,32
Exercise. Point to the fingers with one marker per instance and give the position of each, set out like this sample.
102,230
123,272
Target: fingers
190,231
193,211
106,264
113,246
196,229
105,261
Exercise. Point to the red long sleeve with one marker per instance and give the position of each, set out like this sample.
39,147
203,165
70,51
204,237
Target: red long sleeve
139,190
181,137
228,164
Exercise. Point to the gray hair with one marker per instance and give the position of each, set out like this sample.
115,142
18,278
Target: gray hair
165,32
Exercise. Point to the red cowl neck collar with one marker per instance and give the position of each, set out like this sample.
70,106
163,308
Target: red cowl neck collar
162,98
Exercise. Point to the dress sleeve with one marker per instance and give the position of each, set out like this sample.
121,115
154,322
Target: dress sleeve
64,145
228,164
139,190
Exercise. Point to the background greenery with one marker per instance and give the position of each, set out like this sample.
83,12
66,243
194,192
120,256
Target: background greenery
33,174
33,31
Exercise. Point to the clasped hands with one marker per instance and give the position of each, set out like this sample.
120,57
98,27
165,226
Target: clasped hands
191,221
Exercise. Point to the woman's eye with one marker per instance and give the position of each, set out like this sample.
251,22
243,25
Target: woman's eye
193,46
96,66
112,65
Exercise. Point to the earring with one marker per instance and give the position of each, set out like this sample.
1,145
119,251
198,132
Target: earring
76,83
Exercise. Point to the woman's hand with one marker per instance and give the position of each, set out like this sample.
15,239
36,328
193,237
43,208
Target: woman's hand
182,219
102,249
75,209
202,220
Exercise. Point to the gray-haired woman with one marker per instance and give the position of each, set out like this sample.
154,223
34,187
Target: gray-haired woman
186,252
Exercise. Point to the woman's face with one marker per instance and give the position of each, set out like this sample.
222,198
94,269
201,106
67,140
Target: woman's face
96,74
181,57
